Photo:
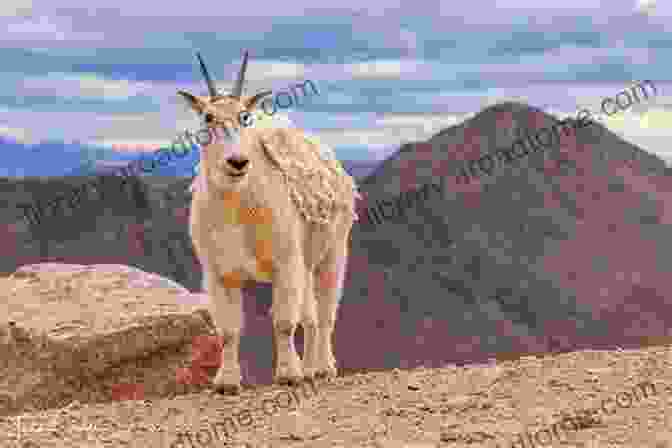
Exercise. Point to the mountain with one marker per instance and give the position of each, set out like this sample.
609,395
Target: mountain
50,158
563,249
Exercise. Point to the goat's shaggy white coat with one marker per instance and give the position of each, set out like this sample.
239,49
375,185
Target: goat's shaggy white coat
271,224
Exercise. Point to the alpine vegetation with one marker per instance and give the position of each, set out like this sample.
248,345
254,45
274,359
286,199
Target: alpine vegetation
267,205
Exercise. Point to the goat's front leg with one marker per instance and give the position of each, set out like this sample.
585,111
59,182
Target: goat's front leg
288,292
226,298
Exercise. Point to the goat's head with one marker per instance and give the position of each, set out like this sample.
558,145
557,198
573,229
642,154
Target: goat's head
227,158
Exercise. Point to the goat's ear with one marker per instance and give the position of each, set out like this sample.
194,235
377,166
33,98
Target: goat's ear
251,102
194,102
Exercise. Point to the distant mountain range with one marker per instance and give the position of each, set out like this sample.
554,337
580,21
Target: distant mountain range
53,159
358,169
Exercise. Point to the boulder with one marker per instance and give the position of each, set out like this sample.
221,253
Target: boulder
74,322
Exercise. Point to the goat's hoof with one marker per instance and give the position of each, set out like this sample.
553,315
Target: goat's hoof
227,382
228,389
326,373
309,373
288,376
288,381
327,369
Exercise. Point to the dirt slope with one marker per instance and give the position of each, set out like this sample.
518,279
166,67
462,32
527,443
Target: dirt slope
486,405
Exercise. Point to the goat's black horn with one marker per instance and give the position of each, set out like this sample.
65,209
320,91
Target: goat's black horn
211,86
238,88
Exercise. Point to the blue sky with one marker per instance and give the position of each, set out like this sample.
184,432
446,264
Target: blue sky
81,76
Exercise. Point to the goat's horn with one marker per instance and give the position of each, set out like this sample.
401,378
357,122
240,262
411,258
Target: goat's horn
208,80
238,88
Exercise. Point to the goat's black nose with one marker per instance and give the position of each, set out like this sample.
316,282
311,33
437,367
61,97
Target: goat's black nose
238,164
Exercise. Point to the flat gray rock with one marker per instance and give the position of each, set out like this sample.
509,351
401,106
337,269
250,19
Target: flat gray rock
77,320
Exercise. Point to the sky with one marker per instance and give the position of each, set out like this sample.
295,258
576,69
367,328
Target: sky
88,83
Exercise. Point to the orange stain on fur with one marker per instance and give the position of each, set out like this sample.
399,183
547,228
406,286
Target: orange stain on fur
263,249
265,268
328,280
256,215
231,198
232,280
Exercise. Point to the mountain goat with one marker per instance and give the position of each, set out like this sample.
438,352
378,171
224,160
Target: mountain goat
268,206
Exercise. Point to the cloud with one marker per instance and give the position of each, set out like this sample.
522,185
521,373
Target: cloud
74,126
13,8
19,135
265,70
645,6
132,145
398,49
389,131
386,24
383,69
44,28
527,67
656,119
649,129
654,122
85,86
474,11
427,123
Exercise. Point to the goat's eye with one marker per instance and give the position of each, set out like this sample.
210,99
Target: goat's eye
209,118
246,118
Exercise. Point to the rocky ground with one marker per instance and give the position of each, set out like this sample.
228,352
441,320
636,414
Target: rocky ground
145,392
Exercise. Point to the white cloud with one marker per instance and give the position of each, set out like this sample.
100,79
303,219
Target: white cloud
650,129
45,29
13,8
429,124
89,127
392,131
384,69
378,133
20,135
262,75
82,86
646,6
131,145
264,70
536,66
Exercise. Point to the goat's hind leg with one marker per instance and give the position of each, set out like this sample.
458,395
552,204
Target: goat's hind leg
226,297
330,277
310,329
